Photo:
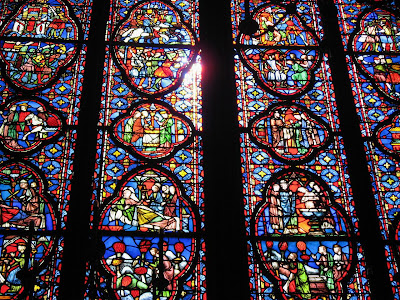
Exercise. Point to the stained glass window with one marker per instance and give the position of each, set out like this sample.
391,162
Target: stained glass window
370,34
115,174
42,54
301,211
302,225
150,147
147,190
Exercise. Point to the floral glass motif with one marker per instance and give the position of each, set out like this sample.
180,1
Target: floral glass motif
149,201
283,54
149,47
298,204
289,132
375,44
26,124
32,64
24,203
152,131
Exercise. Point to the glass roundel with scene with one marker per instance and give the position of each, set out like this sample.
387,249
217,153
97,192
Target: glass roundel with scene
302,238
39,41
284,52
374,45
25,207
26,124
290,132
161,249
153,130
153,47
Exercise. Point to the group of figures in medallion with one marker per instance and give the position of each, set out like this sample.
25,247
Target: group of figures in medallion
271,56
375,48
290,132
31,64
143,266
301,234
150,201
154,243
375,45
299,205
138,267
26,125
154,69
153,130
25,205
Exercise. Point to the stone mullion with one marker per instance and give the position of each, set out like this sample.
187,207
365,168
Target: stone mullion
227,267
76,236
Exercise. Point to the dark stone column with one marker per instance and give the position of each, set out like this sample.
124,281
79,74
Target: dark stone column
77,232
227,268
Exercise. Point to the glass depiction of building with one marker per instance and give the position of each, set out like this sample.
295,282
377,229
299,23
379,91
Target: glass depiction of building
182,149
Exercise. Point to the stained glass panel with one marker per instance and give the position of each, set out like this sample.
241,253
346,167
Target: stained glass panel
42,57
300,215
147,210
148,198
370,37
